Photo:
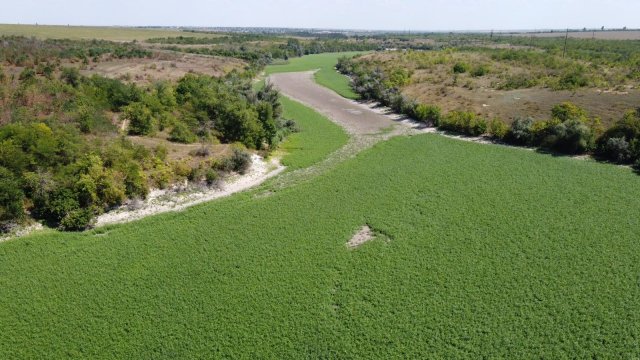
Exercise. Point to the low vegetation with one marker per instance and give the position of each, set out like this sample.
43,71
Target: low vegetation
532,246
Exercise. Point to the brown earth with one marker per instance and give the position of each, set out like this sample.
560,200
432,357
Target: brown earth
354,117
164,66
610,106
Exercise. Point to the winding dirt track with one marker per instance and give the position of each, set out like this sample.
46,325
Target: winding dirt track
356,118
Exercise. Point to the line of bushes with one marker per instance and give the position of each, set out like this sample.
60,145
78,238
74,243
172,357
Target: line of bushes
569,131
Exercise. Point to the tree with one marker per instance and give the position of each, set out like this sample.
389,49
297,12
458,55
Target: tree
141,121
71,76
520,132
11,198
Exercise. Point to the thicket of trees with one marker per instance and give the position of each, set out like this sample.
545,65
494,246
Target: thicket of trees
261,49
569,130
23,51
63,159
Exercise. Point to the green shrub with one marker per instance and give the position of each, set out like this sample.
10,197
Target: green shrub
621,142
498,129
239,161
518,81
464,122
429,114
211,176
568,111
480,70
520,132
27,75
135,181
460,68
141,121
77,220
617,150
182,134
570,137
70,76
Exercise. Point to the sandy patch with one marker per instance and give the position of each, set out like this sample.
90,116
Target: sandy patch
362,236
22,232
178,198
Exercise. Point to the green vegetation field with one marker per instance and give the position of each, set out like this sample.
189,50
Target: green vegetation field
318,136
92,32
482,251
327,76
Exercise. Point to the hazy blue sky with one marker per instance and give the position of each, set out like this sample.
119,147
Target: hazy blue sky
353,14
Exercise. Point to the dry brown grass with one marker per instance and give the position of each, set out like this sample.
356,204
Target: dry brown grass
433,82
164,66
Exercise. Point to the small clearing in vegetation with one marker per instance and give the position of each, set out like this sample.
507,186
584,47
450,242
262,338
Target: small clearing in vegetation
362,236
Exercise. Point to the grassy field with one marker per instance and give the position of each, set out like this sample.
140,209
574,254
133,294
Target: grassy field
91,32
317,139
482,251
327,76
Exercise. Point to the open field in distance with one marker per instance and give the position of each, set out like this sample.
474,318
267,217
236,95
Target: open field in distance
112,33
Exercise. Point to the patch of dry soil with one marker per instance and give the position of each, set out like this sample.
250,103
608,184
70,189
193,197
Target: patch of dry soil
362,236
161,201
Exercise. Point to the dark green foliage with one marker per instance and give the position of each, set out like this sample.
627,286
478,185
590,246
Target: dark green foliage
182,134
480,70
521,132
27,75
231,108
239,161
114,93
621,143
211,176
77,220
70,76
11,198
570,137
460,68
141,121
20,50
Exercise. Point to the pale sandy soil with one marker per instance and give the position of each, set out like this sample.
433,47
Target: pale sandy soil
362,236
161,201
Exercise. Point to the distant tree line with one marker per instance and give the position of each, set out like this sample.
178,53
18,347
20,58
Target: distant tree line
23,51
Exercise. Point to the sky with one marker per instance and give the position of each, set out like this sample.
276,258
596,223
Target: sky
331,14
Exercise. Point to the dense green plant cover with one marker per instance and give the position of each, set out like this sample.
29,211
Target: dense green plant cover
68,161
481,251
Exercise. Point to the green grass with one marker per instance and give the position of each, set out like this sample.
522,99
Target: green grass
484,251
318,137
327,76
92,32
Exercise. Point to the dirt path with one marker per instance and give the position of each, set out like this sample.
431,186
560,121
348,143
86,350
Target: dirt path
366,123
356,118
